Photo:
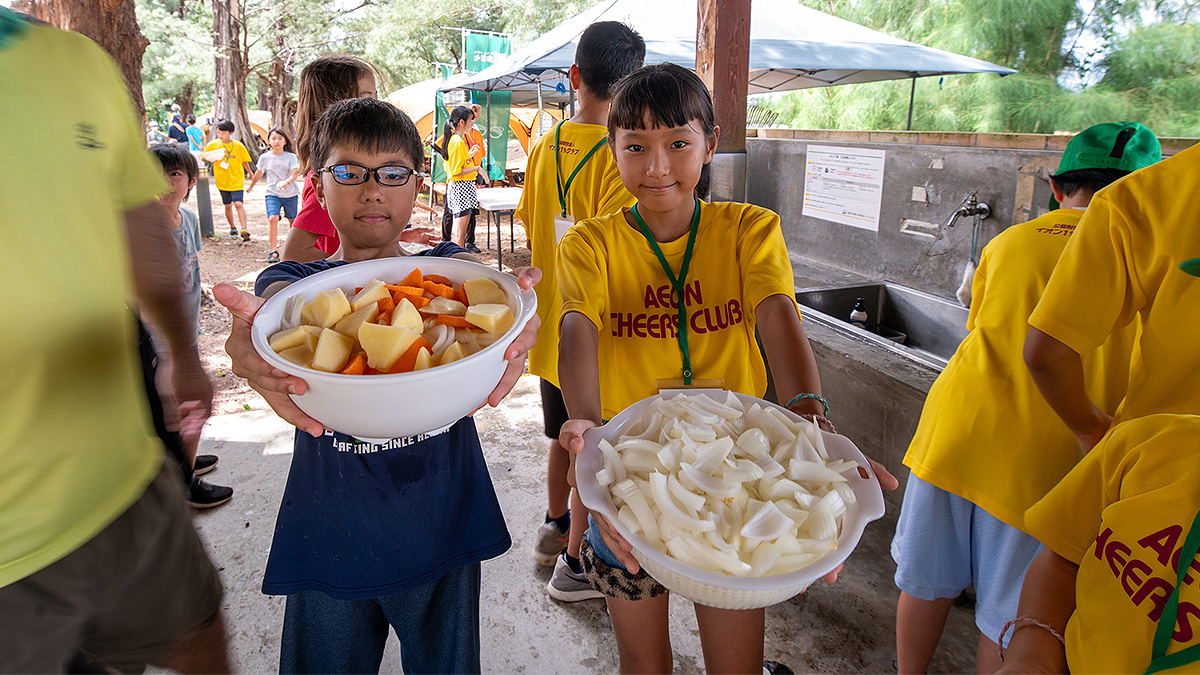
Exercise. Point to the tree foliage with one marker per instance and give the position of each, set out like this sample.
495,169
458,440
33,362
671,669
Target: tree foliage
278,37
1142,67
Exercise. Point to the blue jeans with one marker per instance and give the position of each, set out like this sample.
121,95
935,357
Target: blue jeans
438,627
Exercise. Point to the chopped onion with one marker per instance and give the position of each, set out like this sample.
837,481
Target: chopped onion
667,507
690,499
706,483
767,523
629,493
724,487
710,455
612,460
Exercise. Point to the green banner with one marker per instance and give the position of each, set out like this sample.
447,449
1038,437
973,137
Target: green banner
440,115
483,49
497,136
480,51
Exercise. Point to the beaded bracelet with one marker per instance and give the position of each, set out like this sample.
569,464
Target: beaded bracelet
1027,621
800,397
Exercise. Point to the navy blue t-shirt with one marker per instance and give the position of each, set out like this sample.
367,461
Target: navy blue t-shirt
361,520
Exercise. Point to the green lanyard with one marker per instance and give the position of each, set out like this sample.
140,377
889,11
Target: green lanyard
678,283
564,189
1159,660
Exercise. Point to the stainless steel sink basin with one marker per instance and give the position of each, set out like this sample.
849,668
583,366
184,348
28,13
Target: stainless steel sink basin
916,324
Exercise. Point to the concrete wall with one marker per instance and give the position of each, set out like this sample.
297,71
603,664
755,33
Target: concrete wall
926,177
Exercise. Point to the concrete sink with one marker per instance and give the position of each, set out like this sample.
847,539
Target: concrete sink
914,324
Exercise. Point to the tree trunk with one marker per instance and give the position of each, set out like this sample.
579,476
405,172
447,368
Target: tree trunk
229,99
110,23
187,101
264,101
282,107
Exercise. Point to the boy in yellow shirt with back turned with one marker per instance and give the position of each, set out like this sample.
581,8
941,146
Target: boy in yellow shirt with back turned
988,446
571,177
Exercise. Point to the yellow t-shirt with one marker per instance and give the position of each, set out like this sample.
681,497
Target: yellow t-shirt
607,272
458,159
986,434
1121,515
1124,265
595,191
75,436
229,172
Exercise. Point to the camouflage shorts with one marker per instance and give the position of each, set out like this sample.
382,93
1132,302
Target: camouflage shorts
617,582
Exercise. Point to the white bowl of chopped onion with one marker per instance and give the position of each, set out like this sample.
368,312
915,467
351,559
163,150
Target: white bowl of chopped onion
728,500
379,408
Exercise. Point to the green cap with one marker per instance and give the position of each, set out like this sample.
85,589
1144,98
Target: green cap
1126,146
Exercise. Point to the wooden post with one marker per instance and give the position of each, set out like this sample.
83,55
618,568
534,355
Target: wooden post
723,62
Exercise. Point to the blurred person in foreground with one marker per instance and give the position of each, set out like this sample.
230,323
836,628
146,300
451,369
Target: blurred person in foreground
98,558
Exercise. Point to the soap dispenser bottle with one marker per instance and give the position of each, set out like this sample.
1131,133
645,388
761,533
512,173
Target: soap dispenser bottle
858,316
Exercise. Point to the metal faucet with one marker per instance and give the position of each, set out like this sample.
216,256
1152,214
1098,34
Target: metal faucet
971,206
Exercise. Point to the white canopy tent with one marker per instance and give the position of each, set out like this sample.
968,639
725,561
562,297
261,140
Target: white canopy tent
791,47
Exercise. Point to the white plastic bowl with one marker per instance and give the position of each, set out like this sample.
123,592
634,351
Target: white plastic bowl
381,407
214,155
711,588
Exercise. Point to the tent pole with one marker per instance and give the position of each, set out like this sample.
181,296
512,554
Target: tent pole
912,95
487,138
537,119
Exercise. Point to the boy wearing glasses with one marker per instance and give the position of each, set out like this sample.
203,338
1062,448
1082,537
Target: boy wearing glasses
374,535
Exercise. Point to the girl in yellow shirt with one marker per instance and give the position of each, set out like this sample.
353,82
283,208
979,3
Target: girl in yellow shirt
614,345
461,199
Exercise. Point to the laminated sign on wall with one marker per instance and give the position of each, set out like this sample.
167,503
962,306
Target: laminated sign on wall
844,185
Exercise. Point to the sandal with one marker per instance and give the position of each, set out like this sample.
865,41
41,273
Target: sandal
273,257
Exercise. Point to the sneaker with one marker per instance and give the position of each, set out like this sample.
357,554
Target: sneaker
550,543
567,586
472,248
776,668
233,233
204,464
205,495
245,235
273,257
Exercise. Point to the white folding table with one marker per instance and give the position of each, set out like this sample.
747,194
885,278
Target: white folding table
500,201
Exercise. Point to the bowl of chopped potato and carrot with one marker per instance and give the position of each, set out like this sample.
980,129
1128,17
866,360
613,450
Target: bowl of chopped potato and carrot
395,347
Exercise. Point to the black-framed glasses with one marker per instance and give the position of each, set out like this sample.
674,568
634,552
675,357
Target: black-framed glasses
357,174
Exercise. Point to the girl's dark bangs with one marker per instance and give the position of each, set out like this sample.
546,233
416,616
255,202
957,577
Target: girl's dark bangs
657,96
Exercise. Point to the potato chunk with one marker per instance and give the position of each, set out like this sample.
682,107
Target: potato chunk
301,355
350,323
333,349
424,360
371,293
326,309
407,316
294,337
452,353
384,344
492,318
483,291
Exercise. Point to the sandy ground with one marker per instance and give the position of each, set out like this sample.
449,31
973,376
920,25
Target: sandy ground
232,261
